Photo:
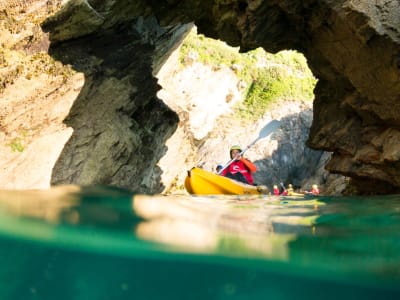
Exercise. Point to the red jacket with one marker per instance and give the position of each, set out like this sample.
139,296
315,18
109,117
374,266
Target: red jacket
243,166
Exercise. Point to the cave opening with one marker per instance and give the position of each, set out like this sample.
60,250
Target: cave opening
223,97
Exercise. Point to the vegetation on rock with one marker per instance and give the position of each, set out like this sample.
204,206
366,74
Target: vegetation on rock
267,78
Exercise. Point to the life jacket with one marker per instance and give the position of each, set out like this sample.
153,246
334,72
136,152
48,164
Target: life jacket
276,192
239,166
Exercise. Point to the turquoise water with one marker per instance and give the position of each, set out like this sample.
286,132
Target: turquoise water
106,243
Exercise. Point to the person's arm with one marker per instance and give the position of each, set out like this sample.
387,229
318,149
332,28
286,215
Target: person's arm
252,167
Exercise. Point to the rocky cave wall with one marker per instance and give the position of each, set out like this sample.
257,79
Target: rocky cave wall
120,126
353,49
351,46
88,114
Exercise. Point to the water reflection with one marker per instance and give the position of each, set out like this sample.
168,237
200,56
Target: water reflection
231,225
42,204
350,235
97,206
250,226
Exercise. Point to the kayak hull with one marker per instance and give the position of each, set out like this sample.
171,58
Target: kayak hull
202,182
295,194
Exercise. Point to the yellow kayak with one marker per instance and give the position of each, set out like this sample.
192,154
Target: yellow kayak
295,194
202,182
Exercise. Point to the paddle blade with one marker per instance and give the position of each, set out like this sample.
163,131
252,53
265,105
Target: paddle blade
269,128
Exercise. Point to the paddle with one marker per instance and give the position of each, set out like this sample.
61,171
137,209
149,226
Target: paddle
265,131
284,189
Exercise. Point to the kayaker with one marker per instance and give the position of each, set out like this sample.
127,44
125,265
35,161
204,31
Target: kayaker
276,190
314,190
240,169
290,190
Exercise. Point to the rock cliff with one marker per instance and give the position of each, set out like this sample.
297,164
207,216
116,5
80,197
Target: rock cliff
352,48
115,127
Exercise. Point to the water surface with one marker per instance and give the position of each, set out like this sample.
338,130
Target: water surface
104,243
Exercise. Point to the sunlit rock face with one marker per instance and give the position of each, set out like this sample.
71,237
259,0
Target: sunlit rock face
120,126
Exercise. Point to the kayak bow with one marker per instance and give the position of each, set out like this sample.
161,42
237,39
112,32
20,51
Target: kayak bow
202,182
